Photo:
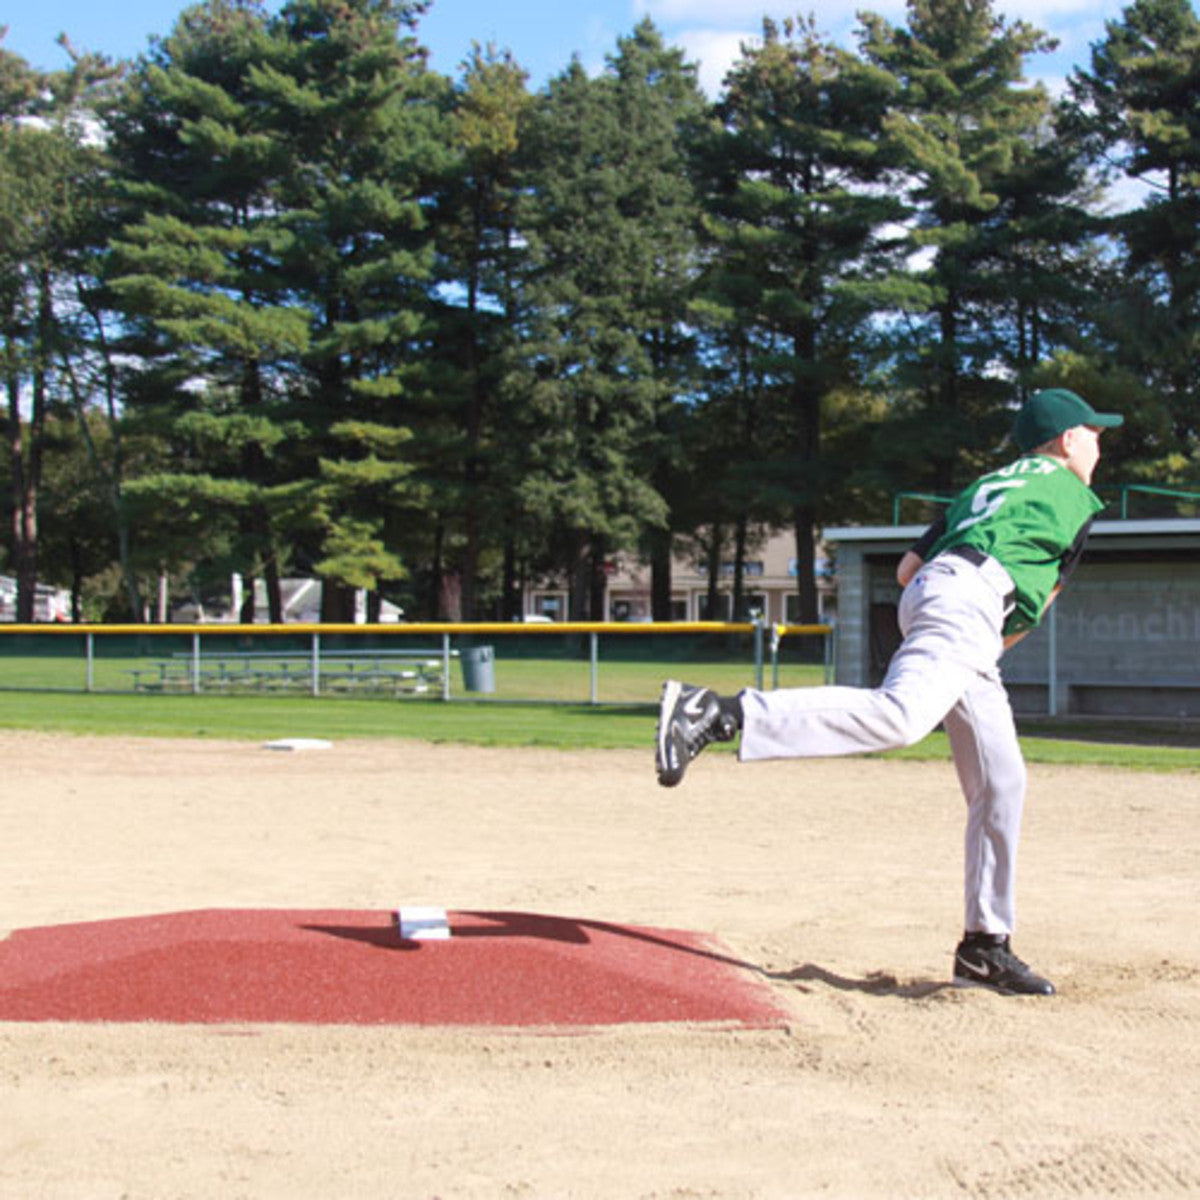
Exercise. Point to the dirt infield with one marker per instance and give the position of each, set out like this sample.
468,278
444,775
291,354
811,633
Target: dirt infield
840,880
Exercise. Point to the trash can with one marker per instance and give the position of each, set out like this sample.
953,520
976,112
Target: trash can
479,668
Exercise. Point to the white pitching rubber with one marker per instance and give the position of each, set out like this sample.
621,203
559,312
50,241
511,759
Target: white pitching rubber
423,924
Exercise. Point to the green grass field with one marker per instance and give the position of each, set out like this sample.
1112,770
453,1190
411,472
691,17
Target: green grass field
484,723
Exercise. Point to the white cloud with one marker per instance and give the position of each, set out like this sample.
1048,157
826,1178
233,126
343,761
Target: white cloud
1124,194
711,31
1053,82
714,51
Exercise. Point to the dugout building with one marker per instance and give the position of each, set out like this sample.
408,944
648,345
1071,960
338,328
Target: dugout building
1123,639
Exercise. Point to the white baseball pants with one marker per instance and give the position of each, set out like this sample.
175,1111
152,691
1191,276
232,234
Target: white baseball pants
946,670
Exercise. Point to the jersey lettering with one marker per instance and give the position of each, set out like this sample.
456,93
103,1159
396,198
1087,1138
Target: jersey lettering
987,501
1027,466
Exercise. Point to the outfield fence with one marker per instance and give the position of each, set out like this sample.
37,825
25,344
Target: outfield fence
573,663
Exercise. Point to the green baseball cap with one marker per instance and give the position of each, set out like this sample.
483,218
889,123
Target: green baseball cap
1047,414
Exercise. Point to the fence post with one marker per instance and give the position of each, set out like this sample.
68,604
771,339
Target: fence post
90,642
445,666
594,653
195,664
760,625
1052,666
316,664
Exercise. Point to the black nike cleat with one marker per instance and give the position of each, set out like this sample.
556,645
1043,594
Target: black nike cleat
688,719
986,960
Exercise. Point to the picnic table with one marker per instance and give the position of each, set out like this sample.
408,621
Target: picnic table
399,672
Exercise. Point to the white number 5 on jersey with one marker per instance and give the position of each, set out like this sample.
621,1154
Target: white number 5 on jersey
987,501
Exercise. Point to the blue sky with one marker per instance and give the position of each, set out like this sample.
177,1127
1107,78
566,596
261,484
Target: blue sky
544,34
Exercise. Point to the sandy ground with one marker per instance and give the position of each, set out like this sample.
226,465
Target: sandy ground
840,880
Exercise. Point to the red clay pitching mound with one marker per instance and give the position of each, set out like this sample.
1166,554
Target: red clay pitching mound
353,968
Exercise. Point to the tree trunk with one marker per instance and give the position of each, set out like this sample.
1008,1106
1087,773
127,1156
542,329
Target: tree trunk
947,388
25,555
76,555
25,457
450,597
114,472
274,585
163,611
714,572
806,400
337,603
580,581
511,597
739,569
660,574
246,611
806,581
598,582
472,472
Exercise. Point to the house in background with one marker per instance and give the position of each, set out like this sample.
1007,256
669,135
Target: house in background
50,603
301,605
769,586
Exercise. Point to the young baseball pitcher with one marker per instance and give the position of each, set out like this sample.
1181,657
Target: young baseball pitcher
976,582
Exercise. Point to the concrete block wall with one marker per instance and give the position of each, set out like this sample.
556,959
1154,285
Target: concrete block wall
851,638
1120,622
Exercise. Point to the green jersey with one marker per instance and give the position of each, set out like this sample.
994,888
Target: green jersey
1028,516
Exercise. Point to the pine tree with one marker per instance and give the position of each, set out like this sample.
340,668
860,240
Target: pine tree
359,117
1140,106
961,126
278,269
661,108
479,257
47,176
607,221
797,210
197,269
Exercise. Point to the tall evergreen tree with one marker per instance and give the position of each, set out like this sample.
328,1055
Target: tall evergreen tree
96,369
279,266
660,106
47,174
198,271
799,263
962,124
359,117
607,224
480,253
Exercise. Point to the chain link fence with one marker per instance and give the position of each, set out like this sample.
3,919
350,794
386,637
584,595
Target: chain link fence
574,663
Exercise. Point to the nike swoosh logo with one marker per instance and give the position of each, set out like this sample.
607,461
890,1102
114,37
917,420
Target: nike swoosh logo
693,706
983,971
